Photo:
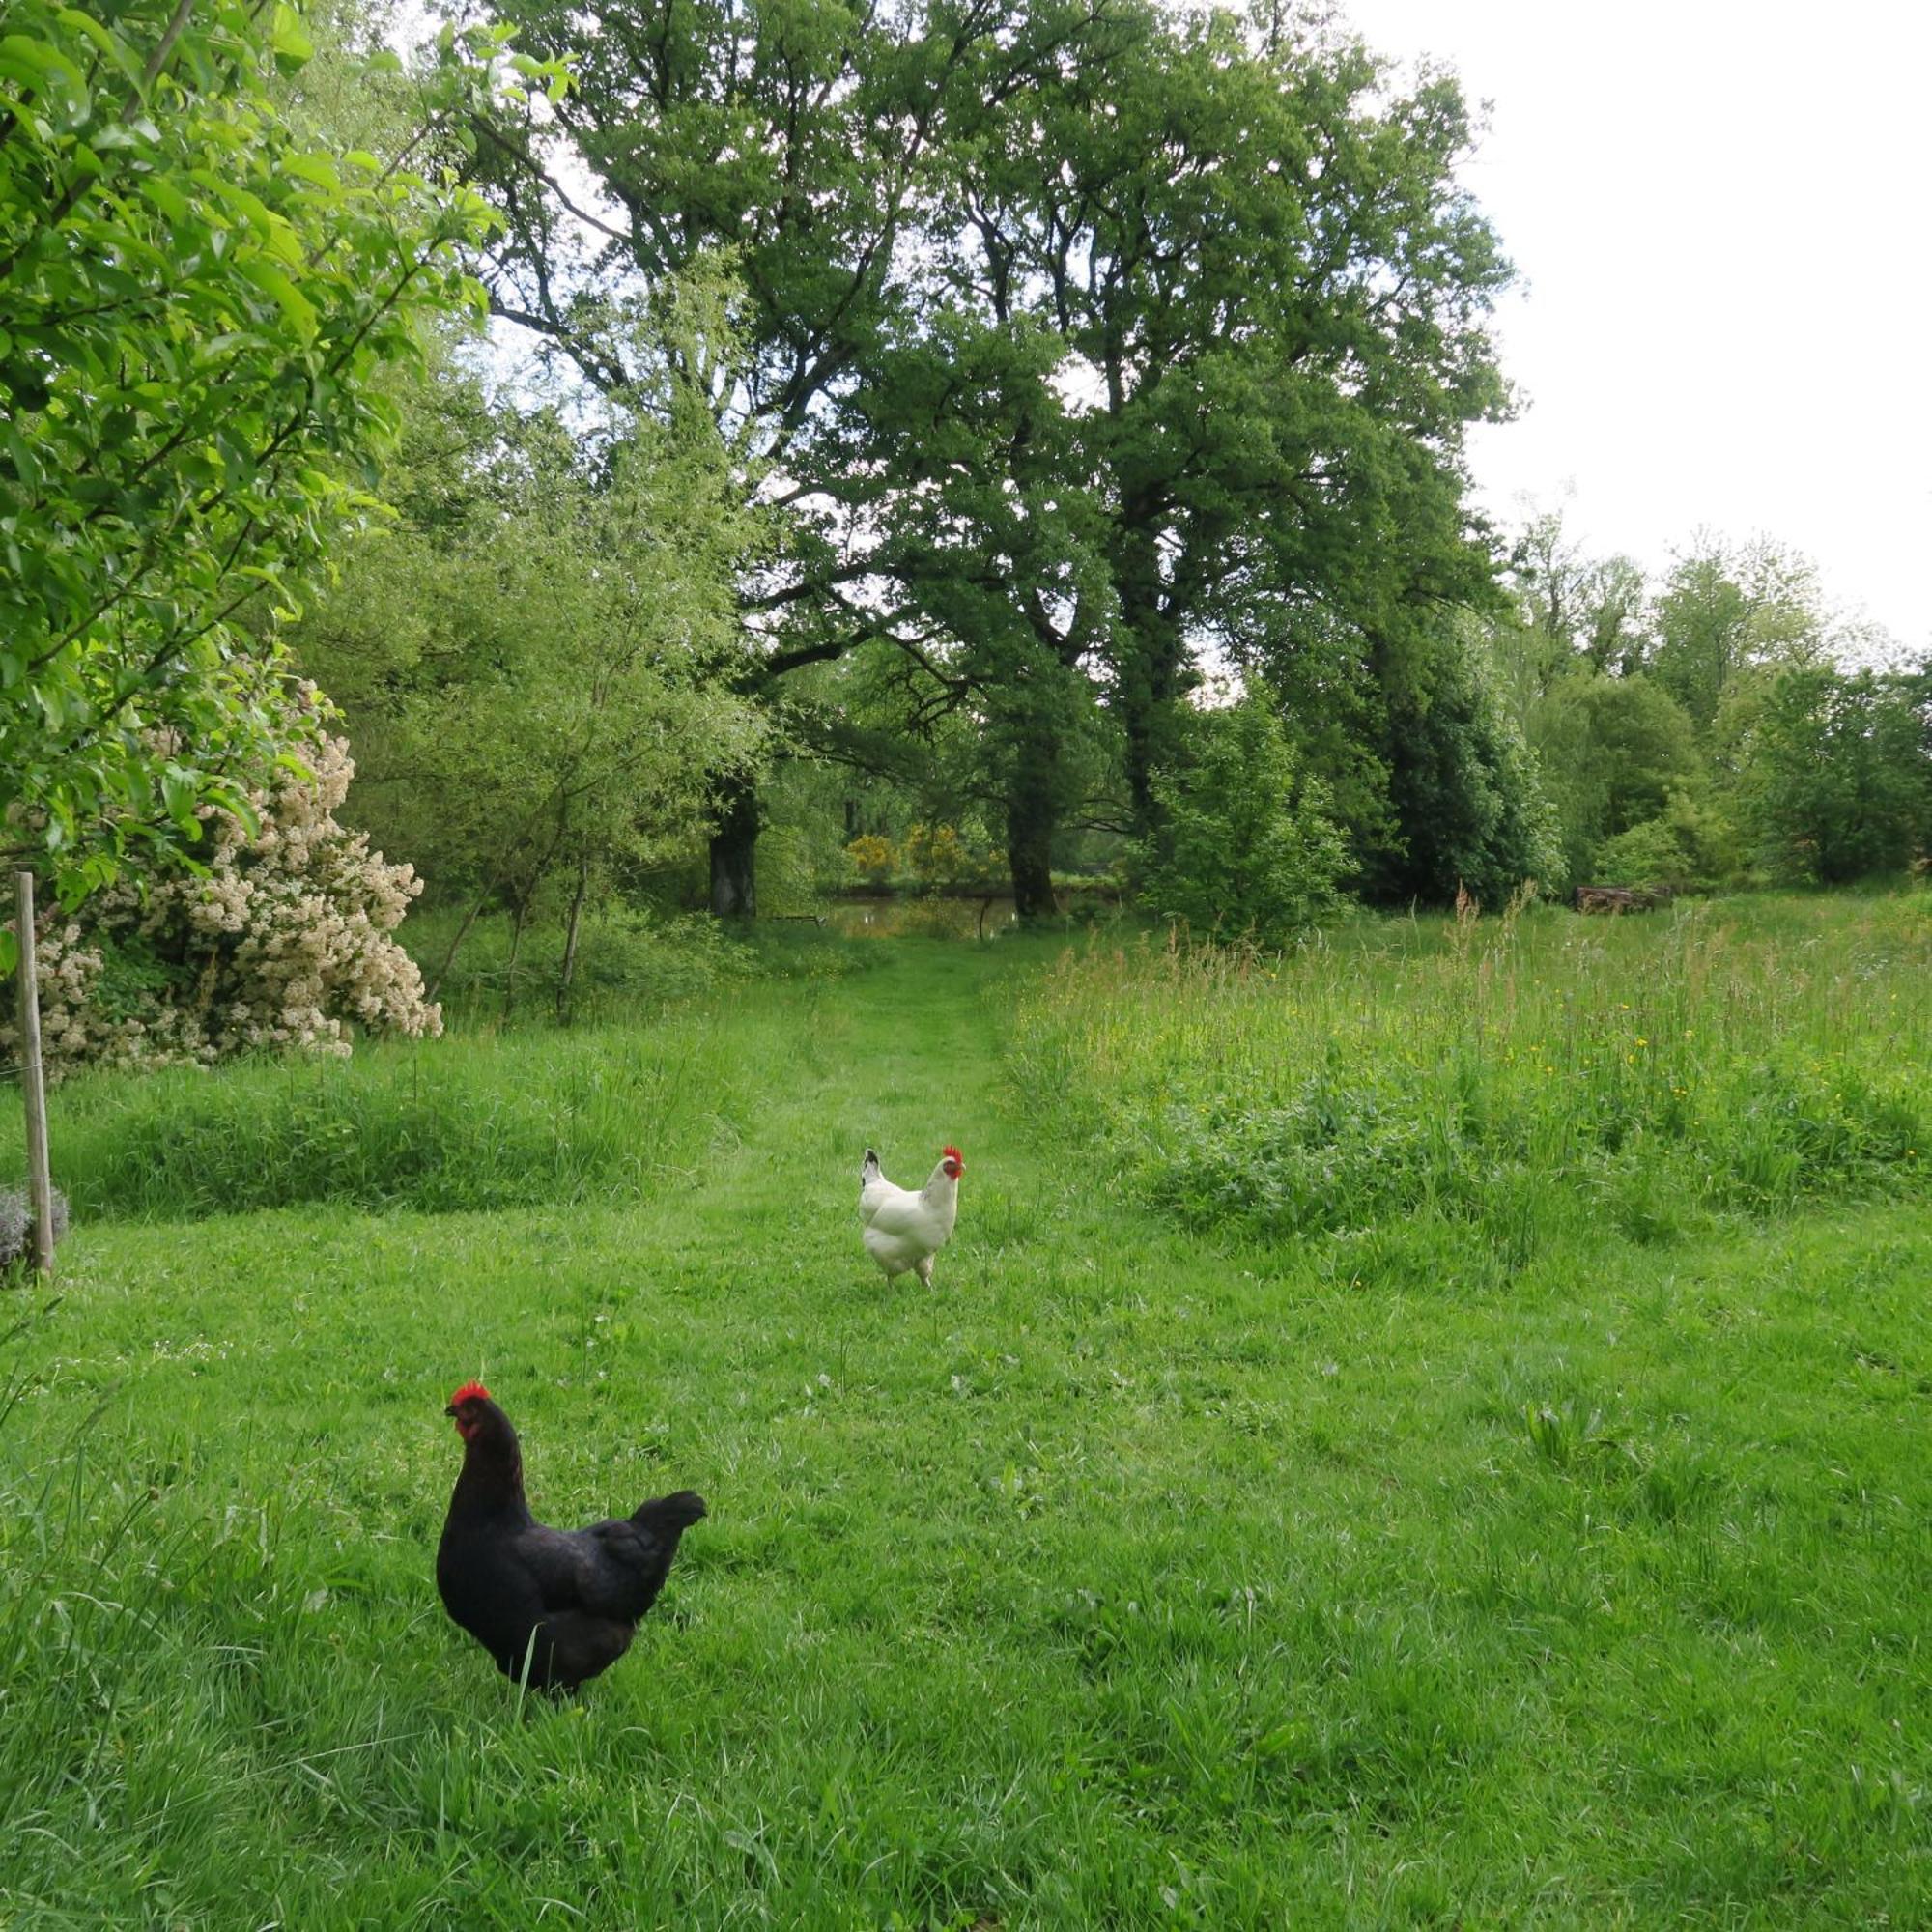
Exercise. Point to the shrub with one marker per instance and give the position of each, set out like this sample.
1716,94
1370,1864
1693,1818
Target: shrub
1836,783
1509,1077
872,857
1688,848
1246,846
939,857
285,939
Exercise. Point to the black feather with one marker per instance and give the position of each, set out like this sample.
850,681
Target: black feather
561,1604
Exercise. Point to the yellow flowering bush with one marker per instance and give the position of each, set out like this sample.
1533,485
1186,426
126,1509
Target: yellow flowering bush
872,857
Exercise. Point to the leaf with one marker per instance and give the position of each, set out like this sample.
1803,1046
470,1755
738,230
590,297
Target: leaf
162,194
292,303
286,38
38,64
25,466
317,169
109,44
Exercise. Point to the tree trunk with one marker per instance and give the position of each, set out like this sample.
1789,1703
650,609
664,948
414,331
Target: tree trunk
516,947
1033,816
735,891
1138,722
568,971
435,985
1154,676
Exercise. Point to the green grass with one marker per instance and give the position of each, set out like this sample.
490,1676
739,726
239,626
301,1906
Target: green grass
497,1114
1412,1094
629,963
515,1119
1153,1570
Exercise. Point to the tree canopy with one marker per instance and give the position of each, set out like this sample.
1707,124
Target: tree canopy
1079,338
194,304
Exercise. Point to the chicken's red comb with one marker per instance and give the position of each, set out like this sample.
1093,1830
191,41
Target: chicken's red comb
953,1154
470,1392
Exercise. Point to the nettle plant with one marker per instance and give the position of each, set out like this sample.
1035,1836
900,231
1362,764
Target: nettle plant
283,938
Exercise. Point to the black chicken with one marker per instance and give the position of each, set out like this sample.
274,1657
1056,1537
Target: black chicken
563,1603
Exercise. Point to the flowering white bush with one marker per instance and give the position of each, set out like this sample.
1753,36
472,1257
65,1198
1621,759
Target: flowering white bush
286,942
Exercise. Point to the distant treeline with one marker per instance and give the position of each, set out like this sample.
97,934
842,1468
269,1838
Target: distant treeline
994,443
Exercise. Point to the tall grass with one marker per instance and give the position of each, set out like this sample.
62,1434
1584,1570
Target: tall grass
630,963
506,1110
1507,1073
441,1125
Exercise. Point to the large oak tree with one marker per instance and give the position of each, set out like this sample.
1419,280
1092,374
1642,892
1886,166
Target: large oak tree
1085,336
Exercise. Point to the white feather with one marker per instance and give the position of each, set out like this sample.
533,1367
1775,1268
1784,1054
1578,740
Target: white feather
902,1230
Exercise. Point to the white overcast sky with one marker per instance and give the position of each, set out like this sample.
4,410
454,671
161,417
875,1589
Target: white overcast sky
1721,214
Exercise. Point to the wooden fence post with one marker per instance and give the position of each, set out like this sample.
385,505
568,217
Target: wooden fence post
40,1183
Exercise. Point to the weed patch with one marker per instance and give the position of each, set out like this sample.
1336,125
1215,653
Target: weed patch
1509,1076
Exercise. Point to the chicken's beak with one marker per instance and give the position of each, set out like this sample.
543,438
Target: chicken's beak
450,1411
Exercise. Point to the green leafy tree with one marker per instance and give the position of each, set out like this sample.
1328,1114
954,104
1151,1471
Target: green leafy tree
1689,846
1080,338
1467,799
1429,771
195,302
1612,751
1837,778
1245,848
1617,616
527,660
802,141
1567,607
1231,308
1725,612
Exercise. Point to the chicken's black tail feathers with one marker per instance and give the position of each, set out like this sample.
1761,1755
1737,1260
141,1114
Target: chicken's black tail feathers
670,1516
869,1170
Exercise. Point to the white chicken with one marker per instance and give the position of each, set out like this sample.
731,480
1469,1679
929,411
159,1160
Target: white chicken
904,1230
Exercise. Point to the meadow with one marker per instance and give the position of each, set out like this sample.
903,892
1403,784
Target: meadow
1430,1430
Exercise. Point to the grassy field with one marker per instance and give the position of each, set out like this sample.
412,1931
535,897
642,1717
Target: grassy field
1344,1475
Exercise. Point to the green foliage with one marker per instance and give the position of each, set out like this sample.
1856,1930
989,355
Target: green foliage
1689,847
1502,1081
536,663
1837,772
1679,730
1570,610
531,1119
1083,337
630,963
1613,749
939,857
1465,798
1725,612
195,302
1244,847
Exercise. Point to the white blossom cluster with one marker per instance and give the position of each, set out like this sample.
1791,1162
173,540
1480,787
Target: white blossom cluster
285,942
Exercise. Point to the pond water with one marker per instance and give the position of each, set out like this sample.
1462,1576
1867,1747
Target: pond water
920,918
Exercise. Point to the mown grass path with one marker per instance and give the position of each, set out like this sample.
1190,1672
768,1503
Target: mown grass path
1128,1579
